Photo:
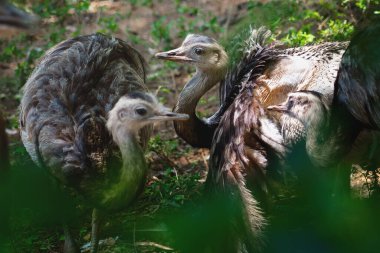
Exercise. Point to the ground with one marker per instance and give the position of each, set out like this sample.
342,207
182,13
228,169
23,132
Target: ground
177,170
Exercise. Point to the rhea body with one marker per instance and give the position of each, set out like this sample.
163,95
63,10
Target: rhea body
86,117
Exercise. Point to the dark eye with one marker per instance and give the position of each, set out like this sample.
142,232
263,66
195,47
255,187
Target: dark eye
199,51
141,111
290,102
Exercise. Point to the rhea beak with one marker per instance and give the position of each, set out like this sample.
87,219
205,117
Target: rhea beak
176,55
166,115
278,108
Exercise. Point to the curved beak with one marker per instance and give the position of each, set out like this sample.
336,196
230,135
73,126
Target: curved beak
176,55
166,115
278,108
10,15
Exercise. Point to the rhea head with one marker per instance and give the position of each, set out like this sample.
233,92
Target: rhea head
306,106
202,51
136,110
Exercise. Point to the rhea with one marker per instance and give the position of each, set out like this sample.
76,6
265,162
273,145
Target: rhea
86,117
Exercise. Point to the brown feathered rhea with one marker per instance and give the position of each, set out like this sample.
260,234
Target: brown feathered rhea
86,117
246,143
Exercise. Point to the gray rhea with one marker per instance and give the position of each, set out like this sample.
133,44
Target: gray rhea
86,117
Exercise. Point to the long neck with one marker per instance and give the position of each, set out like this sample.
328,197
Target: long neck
132,154
132,175
196,131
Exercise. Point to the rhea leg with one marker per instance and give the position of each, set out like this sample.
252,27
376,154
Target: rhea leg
96,221
70,245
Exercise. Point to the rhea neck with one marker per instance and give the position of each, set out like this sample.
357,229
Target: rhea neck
315,128
127,140
195,131
199,84
132,175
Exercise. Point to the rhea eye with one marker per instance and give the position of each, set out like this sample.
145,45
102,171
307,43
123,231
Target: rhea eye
141,111
290,103
199,51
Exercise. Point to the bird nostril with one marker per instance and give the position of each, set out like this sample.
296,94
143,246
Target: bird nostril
172,53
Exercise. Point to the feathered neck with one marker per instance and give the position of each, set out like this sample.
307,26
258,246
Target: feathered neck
197,86
131,176
196,131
